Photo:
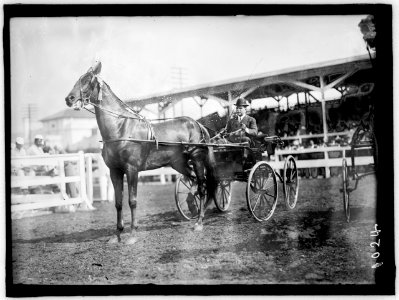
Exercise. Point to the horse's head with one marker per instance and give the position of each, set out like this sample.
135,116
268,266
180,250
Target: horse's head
83,91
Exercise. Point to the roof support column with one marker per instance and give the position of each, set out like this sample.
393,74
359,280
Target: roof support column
323,109
230,107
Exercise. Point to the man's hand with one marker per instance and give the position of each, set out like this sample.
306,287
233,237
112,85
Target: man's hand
244,128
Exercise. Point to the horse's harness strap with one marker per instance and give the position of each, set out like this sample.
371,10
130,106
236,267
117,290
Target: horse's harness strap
202,132
150,132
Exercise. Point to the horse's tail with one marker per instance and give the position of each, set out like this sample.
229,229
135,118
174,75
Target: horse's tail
210,166
211,181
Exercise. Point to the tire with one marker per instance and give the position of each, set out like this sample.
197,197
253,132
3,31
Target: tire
262,185
223,195
186,197
290,182
345,190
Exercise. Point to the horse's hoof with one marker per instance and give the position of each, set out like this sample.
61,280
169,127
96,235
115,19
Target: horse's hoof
130,241
114,240
198,227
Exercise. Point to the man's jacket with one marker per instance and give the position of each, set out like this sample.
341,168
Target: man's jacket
235,124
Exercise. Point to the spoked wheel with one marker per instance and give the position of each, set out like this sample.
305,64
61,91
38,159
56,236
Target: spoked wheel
187,198
223,195
290,182
345,189
375,150
262,191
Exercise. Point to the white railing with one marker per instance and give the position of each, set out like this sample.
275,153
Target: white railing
315,135
325,162
102,176
37,201
104,181
84,176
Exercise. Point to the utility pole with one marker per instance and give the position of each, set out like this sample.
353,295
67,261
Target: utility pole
179,78
30,112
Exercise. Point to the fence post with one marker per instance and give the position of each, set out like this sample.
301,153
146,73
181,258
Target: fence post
162,178
327,168
61,167
82,173
89,176
103,178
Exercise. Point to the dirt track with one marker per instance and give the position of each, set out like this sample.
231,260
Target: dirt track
311,244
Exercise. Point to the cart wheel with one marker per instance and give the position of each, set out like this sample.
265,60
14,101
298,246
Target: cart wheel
186,196
262,191
290,182
223,195
345,189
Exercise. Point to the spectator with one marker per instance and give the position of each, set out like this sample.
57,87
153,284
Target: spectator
17,168
312,144
295,145
58,150
332,143
48,149
18,151
338,140
37,147
19,147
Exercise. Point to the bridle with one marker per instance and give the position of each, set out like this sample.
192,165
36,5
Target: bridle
86,100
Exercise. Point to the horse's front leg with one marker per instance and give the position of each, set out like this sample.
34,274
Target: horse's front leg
132,180
117,181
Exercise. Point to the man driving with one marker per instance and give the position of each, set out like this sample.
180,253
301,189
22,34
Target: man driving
241,126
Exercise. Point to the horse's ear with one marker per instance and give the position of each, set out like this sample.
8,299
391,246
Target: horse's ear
96,67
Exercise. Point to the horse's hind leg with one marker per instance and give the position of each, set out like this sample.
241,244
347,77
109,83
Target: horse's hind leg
117,182
132,180
200,174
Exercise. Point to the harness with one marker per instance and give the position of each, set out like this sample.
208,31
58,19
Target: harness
151,137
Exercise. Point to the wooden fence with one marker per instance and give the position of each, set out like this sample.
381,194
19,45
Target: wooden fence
59,162
327,157
100,177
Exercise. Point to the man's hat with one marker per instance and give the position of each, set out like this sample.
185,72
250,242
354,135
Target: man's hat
241,102
38,137
19,140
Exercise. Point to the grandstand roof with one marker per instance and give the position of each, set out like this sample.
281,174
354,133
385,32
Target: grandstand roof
283,82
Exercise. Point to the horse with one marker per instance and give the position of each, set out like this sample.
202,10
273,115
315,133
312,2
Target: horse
130,145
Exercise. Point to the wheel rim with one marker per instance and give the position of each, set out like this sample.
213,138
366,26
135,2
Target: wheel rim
262,191
223,195
187,199
290,182
375,151
345,191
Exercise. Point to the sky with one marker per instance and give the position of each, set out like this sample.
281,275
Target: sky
139,54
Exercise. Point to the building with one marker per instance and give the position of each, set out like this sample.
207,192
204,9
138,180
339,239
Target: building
69,127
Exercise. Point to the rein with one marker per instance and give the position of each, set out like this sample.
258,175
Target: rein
136,116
